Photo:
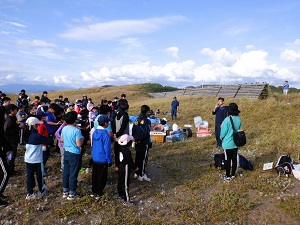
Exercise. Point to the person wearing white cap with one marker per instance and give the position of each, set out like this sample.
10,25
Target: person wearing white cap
34,158
126,165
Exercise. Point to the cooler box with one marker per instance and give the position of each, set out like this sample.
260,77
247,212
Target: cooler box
158,137
170,138
203,131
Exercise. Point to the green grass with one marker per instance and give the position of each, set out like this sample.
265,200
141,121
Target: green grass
185,189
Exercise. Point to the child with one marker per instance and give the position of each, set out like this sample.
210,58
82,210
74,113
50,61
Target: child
141,133
34,158
11,134
125,166
72,140
43,131
101,156
60,144
22,117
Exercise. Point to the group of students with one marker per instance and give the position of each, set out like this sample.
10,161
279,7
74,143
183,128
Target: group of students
71,126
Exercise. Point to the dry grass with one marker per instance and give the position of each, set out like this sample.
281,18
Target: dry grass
185,190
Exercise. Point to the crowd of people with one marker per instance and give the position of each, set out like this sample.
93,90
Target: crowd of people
63,128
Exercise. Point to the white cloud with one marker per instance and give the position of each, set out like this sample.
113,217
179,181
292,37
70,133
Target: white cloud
9,77
15,24
221,56
35,43
118,28
62,80
173,51
290,55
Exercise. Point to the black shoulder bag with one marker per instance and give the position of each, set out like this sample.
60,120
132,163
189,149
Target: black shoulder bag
239,136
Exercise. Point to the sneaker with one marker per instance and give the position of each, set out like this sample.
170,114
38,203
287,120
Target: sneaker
65,194
130,203
226,178
73,197
3,203
135,176
146,178
96,196
232,177
43,192
30,196
140,178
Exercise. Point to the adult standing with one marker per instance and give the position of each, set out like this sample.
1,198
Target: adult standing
286,87
226,135
174,108
221,112
121,101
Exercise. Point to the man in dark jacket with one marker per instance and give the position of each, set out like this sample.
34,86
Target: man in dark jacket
221,113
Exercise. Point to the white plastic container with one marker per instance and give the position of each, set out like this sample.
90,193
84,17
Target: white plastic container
175,127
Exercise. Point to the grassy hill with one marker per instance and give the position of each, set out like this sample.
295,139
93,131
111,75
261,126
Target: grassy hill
185,189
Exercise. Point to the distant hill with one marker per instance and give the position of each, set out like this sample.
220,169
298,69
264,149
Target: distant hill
31,88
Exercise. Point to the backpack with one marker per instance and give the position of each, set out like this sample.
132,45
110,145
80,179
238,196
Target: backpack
282,159
244,163
239,136
285,168
219,161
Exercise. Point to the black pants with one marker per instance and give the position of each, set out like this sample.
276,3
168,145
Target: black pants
230,156
217,133
11,163
123,181
116,153
99,177
4,170
141,157
34,168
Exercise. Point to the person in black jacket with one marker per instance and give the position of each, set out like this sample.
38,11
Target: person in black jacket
4,170
120,127
45,98
11,134
141,133
221,113
125,167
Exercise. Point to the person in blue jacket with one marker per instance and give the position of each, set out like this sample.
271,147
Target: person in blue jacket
221,112
34,158
226,135
101,155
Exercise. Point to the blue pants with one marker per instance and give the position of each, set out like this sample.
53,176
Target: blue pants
72,165
34,168
174,113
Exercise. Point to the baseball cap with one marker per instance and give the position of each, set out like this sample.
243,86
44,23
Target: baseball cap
40,114
33,121
102,120
124,139
71,104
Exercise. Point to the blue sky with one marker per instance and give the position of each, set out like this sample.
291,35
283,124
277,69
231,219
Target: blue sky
85,43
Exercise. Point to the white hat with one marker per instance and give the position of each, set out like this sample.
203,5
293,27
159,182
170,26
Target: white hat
33,121
124,139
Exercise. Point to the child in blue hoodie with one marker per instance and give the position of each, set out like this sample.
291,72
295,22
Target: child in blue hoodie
34,158
101,156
